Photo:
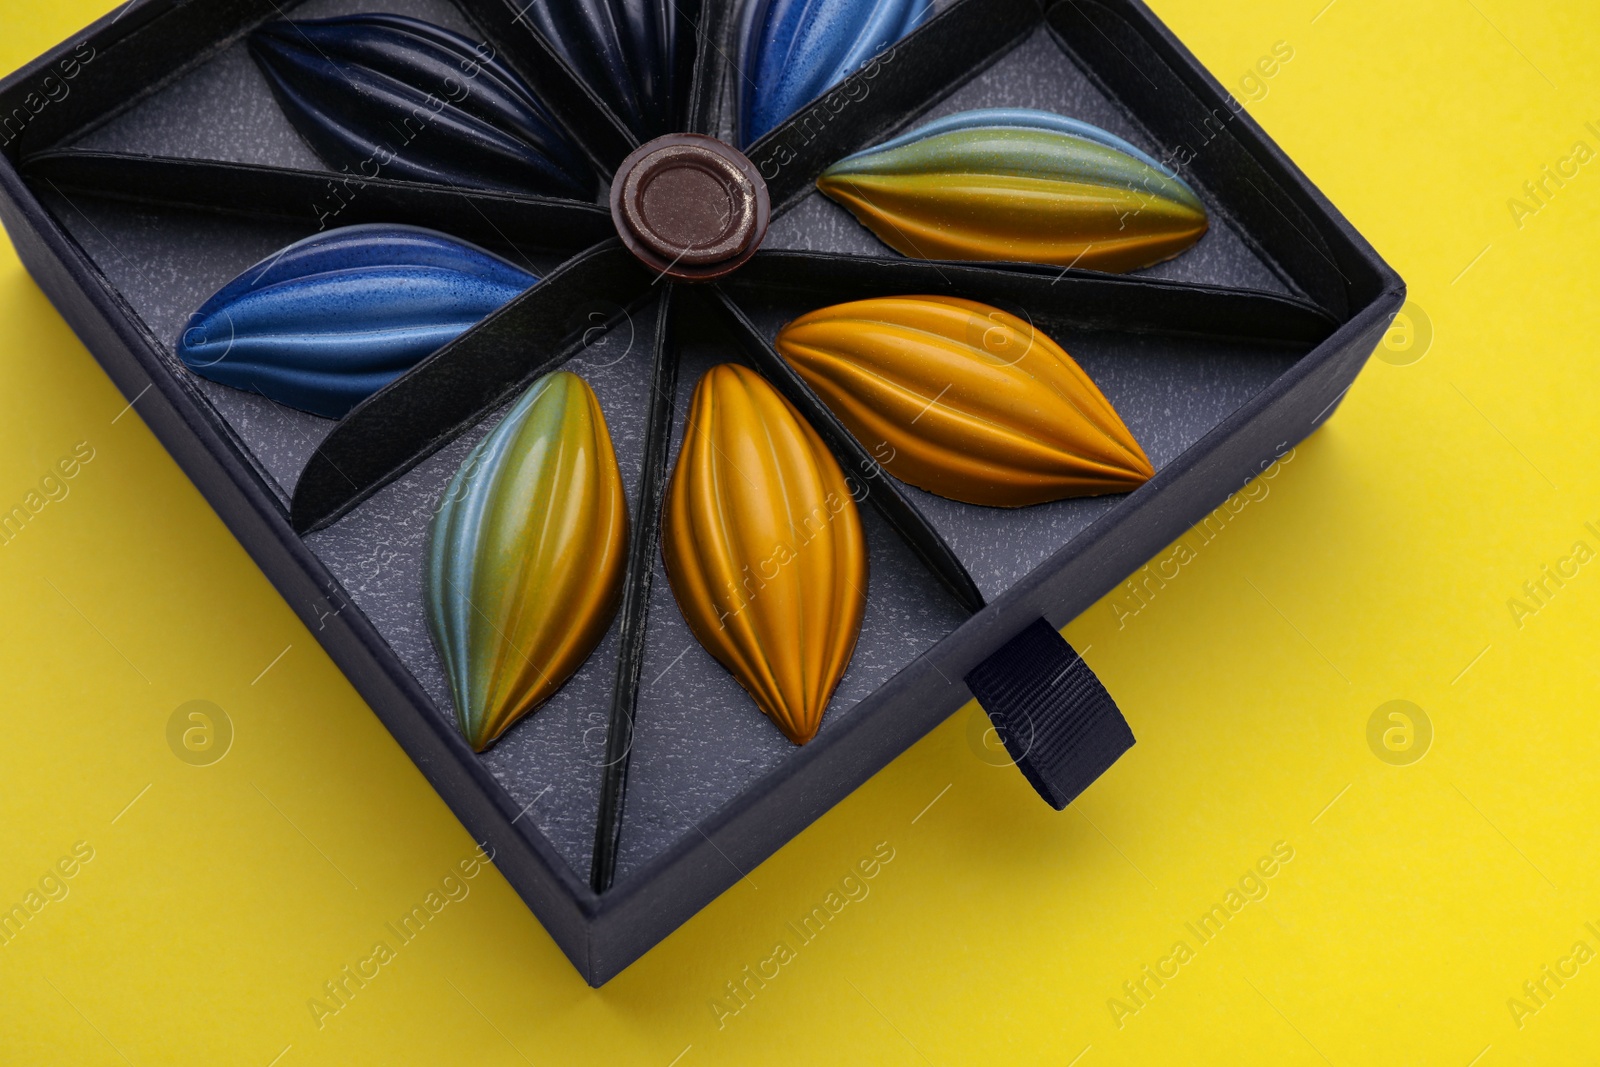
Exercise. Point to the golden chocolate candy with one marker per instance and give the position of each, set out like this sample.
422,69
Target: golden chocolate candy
965,400
763,546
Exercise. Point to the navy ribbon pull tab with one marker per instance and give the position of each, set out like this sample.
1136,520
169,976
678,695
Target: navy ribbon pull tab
1060,726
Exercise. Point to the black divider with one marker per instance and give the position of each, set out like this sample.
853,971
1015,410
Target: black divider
505,221
715,53
928,64
593,125
409,419
718,71
1206,143
635,611
694,15
881,489
1081,298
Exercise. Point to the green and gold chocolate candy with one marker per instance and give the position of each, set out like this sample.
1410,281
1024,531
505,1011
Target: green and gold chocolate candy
1019,185
526,556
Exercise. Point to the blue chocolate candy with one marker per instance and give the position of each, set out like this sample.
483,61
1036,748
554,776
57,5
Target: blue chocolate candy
795,50
332,319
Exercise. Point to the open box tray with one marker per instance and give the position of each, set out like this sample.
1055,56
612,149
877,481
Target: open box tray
145,163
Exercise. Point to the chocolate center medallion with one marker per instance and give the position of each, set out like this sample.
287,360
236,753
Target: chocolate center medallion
690,207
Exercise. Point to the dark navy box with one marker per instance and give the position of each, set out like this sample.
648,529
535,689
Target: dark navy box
145,163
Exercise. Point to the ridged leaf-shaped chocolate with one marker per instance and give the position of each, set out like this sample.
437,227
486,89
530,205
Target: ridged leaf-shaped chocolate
764,548
1019,185
630,52
330,320
396,97
796,50
526,556
965,400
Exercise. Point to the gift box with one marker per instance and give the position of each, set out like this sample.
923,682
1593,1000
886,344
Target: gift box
147,161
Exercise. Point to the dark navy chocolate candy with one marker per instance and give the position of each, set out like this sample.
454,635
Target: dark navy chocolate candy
332,319
395,97
630,52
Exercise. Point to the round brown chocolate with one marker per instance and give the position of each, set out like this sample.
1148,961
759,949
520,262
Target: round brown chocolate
690,207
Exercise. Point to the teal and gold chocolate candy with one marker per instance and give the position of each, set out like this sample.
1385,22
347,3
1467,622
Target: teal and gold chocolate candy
526,556
1021,186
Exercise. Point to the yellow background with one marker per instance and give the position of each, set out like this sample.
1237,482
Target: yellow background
1378,567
